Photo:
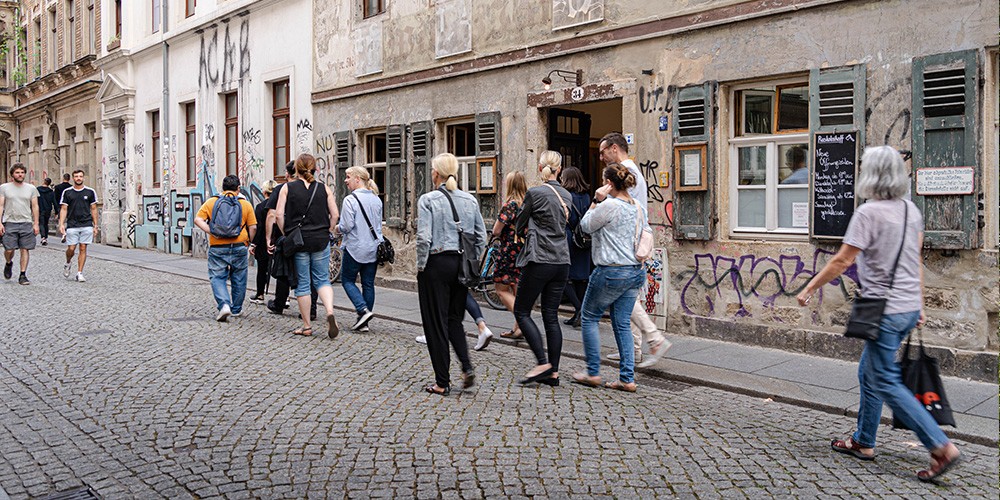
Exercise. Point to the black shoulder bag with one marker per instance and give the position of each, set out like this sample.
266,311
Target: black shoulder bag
384,253
468,271
867,312
293,237
581,239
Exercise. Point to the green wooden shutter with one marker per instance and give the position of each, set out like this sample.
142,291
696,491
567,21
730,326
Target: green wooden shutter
693,124
395,187
343,156
421,142
836,104
945,134
488,146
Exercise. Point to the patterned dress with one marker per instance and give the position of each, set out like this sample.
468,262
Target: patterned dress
506,271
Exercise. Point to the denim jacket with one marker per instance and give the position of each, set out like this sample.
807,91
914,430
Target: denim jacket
436,230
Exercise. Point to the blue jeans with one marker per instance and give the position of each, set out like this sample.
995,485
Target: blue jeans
348,276
881,380
615,287
312,270
228,264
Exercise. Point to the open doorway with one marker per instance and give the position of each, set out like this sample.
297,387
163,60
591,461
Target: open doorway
574,130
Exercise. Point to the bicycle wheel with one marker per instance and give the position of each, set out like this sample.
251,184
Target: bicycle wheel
336,259
489,288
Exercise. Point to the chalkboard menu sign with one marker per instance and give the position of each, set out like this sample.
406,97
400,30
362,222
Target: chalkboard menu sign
834,172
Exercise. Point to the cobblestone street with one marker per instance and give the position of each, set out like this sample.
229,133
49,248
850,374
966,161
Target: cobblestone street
126,384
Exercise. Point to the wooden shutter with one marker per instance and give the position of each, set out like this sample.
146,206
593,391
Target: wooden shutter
395,187
836,104
343,157
421,141
488,135
694,124
945,134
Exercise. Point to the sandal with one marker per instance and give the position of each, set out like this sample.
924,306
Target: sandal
939,467
434,389
849,447
510,334
584,379
468,379
621,386
305,332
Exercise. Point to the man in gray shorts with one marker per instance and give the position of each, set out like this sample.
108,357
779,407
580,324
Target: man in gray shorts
77,222
18,221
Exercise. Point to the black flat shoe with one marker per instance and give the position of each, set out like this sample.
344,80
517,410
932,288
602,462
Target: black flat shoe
535,378
468,379
443,392
551,381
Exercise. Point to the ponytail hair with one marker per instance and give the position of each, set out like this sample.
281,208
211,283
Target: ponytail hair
551,163
620,176
446,165
361,174
305,165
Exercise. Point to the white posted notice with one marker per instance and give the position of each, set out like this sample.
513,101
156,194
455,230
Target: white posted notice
800,215
945,180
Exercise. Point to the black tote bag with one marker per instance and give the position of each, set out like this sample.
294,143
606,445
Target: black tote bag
922,376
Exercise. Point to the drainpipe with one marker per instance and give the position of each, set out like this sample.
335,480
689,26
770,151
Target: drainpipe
165,131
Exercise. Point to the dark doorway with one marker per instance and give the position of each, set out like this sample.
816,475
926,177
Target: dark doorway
574,131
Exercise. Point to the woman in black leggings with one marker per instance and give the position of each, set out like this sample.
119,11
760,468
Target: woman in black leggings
545,267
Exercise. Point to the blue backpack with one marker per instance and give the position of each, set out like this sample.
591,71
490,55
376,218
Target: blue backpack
227,217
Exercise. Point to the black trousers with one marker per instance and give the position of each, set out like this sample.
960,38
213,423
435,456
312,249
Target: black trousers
43,224
281,291
263,278
575,289
547,280
442,307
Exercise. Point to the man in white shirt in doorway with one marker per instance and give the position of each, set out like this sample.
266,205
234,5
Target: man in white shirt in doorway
614,149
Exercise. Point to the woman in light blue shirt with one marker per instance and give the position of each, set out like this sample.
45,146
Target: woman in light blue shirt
442,296
612,221
360,245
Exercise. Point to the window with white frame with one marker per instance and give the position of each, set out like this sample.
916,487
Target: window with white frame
462,143
769,158
375,161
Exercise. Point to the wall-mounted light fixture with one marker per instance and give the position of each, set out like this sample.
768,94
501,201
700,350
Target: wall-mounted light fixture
568,76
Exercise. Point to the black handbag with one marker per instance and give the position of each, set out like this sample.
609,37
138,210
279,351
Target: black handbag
866,313
293,238
580,238
385,252
922,376
468,271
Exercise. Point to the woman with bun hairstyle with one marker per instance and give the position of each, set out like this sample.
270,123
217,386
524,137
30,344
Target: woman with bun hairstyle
615,282
442,296
544,263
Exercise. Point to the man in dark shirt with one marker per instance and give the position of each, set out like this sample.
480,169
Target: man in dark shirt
58,191
46,203
77,222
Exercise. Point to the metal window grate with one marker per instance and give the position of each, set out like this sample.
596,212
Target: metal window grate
944,92
691,117
836,104
82,493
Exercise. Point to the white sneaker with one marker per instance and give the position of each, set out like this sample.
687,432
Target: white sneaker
364,329
422,339
224,313
484,339
80,278
655,354
66,270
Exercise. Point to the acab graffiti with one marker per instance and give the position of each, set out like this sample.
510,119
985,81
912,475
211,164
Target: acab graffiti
749,278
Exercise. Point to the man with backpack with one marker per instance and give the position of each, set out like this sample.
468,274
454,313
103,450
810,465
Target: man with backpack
231,224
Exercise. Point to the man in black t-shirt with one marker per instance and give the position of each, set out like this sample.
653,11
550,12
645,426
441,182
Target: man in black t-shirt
58,191
77,222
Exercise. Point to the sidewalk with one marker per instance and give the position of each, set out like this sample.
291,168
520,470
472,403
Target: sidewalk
826,384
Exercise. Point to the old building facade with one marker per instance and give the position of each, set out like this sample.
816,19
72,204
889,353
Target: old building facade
50,121
721,100
193,91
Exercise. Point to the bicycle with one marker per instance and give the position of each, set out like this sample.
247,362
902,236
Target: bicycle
487,264
336,258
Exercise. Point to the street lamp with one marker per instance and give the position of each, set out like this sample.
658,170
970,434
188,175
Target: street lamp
568,76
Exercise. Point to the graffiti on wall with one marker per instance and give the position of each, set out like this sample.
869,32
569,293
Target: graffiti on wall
749,278
235,59
567,13
303,136
653,100
652,290
324,160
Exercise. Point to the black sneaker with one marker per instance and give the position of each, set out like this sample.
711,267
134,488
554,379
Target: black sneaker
363,320
8,270
271,309
23,280
257,299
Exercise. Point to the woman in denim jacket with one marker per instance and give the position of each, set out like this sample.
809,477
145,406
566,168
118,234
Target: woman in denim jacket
442,296
615,282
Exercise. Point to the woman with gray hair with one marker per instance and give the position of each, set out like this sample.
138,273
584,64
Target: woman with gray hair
875,236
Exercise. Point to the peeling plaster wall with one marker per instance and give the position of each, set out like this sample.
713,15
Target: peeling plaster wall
741,282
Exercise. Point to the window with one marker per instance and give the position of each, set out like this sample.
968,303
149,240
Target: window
118,19
38,46
91,28
191,143
769,156
372,7
280,118
462,144
53,40
154,139
232,133
375,160
156,15
70,34
189,6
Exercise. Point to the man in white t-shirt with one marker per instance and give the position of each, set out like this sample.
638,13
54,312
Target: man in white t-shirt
18,221
614,149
